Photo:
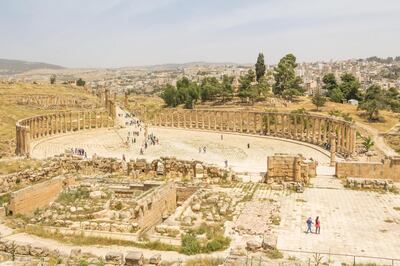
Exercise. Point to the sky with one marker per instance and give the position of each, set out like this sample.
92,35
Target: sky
118,33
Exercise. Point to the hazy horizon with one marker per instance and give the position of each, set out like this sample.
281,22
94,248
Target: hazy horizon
105,34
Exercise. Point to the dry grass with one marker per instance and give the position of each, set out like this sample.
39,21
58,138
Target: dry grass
393,142
11,166
11,112
204,261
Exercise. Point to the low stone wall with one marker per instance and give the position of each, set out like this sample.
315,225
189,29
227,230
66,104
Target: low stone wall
27,200
12,181
367,183
290,168
389,168
20,253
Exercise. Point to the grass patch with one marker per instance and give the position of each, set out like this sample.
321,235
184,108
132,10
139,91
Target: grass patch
215,240
275,220
396,208
81,239
68,197
204,261
190,244
4,199
274,254
388,221
300,200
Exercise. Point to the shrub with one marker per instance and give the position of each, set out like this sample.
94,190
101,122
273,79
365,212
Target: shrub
190,245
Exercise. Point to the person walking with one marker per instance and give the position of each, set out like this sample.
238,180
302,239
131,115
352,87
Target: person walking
309,224
317,225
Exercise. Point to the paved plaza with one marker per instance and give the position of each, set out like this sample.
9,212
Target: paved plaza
352,222
183,144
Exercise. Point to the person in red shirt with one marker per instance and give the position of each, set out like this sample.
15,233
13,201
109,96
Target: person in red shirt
317,225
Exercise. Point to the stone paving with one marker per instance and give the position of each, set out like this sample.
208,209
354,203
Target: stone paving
352,222
183,144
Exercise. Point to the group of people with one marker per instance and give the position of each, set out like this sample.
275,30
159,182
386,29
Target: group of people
203,149
79,151
317,224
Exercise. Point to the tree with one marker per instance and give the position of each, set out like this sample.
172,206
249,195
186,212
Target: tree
336,95
80,82
287,83
318,100
331,87
226,87
209,88
245,87
262,88
373,102
260,67
350,87
170,95
53,79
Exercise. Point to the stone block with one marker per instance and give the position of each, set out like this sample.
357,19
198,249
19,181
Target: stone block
114,257
134,258
155,259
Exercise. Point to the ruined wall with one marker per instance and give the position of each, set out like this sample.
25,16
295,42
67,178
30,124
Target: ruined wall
290,168
389,168
28,199
156,206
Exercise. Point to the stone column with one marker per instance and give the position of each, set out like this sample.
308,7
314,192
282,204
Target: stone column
333,148
319,131
209,120
255,123
96,121
27,141
234,121
78,120
268,123
65,122
295,129
338,137
84,120
325,130
71,128
203,122
308,129
196,119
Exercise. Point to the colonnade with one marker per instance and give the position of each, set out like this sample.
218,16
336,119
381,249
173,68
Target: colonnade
318,130
63,122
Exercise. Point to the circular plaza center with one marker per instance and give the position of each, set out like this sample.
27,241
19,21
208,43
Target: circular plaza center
243,153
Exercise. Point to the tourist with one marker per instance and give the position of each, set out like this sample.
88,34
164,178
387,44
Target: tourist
226,163
134,140
248,145
309,224
199,149
204,149
123,157
141,151
317,225
222,137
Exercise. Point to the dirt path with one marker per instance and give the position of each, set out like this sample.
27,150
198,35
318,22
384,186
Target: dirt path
101,251
378,139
